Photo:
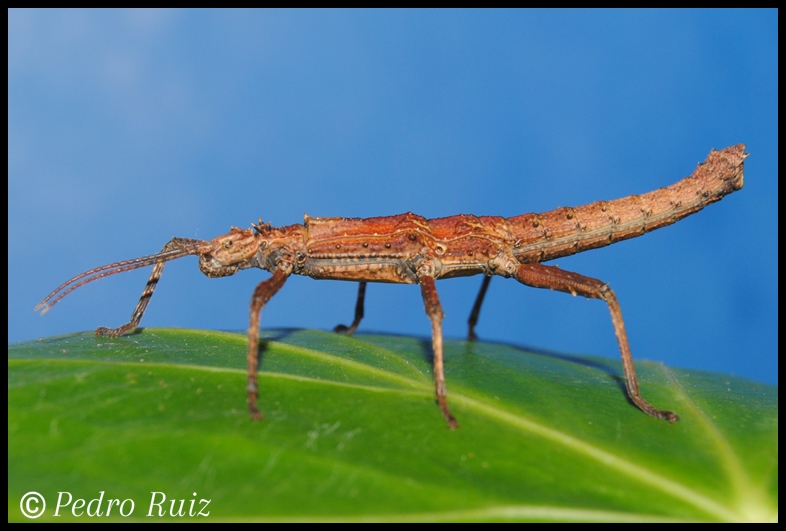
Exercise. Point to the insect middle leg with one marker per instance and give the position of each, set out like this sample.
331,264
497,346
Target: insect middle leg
434,312
349,330
541,276
359,311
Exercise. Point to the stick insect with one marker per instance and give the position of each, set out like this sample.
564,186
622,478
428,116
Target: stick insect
410,249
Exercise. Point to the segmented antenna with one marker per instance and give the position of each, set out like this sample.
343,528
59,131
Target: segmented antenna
112,269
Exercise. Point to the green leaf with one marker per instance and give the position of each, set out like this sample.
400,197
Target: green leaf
351,432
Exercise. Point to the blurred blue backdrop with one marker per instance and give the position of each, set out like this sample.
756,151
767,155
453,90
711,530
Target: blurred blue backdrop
126,128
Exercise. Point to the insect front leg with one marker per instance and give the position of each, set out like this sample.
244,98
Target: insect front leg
434,312
349,330
263,292
541,276
152,282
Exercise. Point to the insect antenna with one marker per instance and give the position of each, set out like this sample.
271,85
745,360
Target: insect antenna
112,269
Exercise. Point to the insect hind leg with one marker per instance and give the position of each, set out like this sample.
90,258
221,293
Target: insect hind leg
541,276
473,316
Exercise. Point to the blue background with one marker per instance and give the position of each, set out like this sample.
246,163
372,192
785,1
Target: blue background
126,128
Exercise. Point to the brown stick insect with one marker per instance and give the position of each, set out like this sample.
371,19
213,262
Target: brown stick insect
410,249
